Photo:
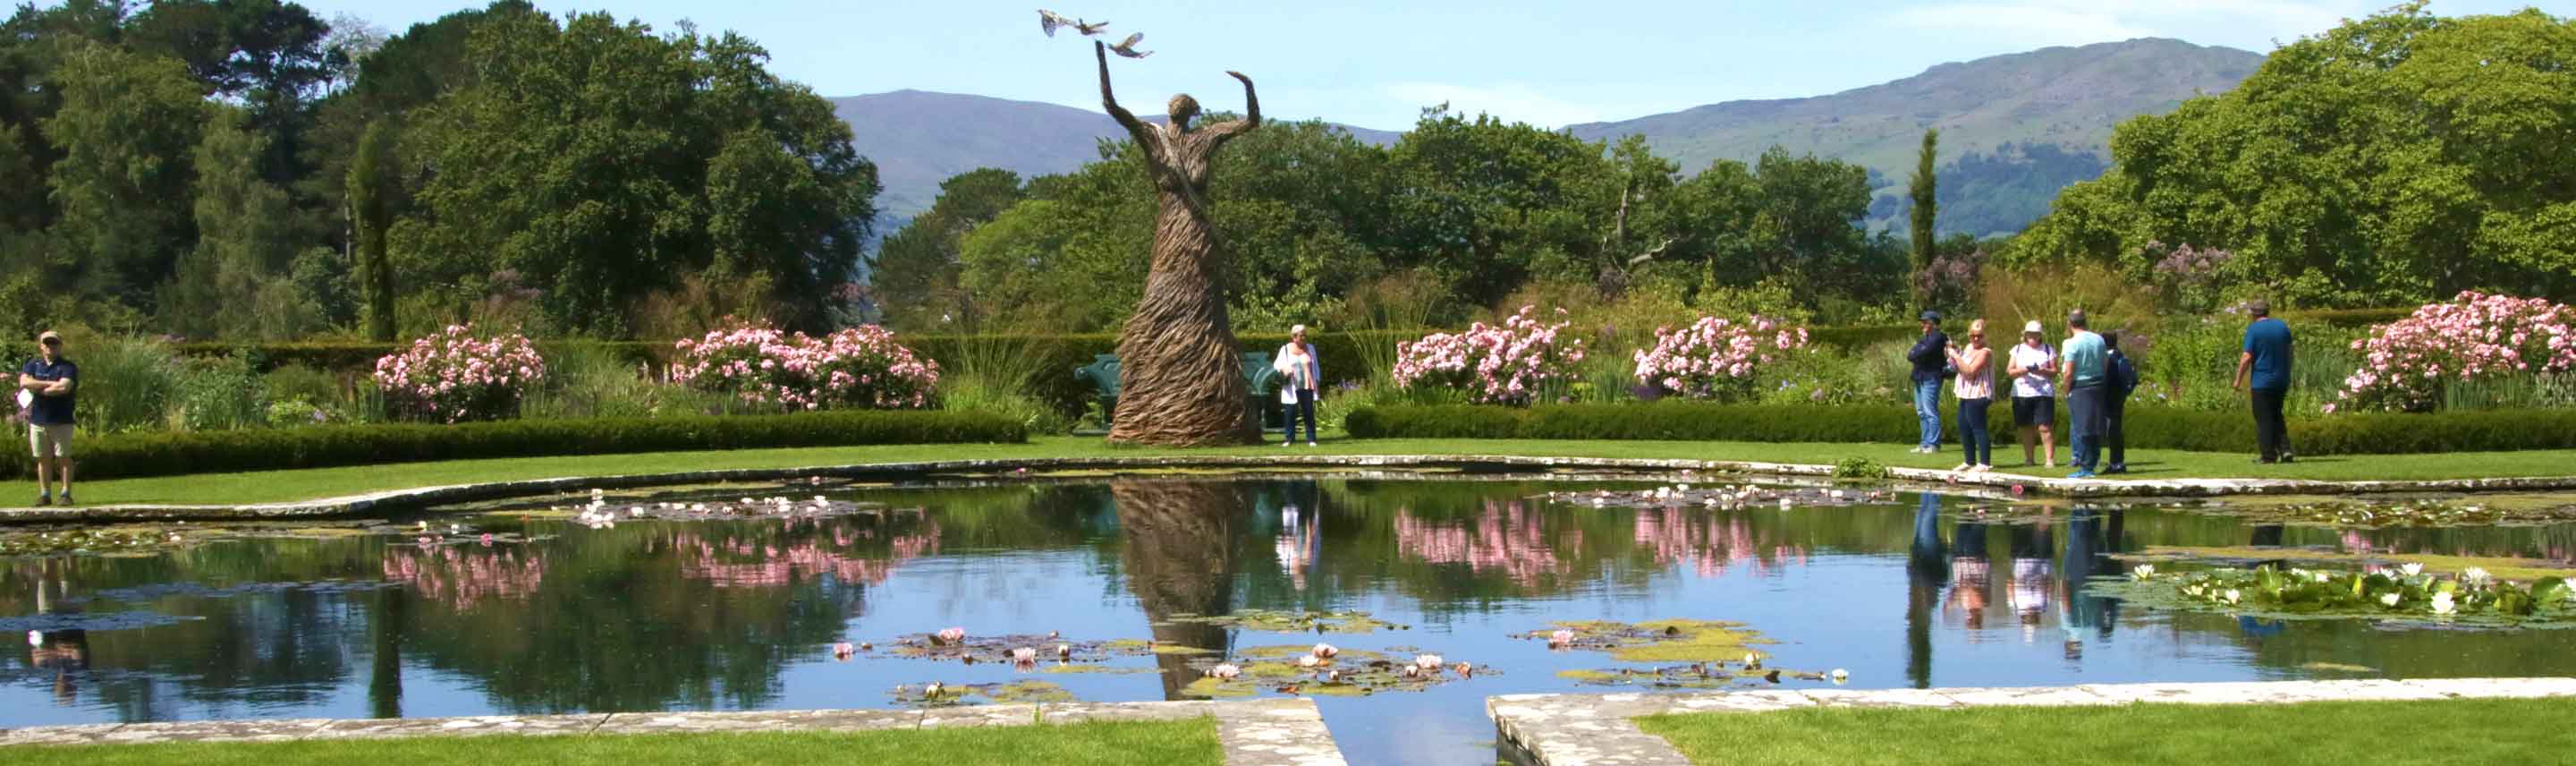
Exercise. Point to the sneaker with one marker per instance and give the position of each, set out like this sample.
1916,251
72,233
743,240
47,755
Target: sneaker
44,499
1962,467
2285,457
2080,474
1310,444
1287,444
1982,468
2117,468
2262,461
67,498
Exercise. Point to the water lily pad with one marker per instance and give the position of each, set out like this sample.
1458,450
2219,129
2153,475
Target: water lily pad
1351,673
2383,512
973,649
1663,640
2503,567
950,695
1293,622
2408,595
1078,667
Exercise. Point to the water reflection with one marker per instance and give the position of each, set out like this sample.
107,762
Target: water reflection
737,614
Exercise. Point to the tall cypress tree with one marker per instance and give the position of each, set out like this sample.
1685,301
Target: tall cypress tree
371,209
1924,210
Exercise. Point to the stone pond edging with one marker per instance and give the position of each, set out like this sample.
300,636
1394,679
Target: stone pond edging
1600,730
418,497
1274,732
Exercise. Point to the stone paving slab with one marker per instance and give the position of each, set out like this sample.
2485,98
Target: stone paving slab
1274,732
1950,481
1600,730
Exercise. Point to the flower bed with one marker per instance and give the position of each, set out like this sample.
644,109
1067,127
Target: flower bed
2407,363
1715,358
1516,362
861,367
457,376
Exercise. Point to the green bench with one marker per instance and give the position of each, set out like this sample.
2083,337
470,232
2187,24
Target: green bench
1260,406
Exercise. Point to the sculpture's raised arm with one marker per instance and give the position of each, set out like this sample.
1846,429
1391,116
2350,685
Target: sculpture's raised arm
1109,100
1226,130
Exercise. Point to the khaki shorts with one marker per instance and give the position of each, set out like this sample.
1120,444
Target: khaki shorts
50,441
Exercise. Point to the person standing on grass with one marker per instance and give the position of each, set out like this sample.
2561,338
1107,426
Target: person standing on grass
1299,374
2030,365
2115,406
1975,388
1930,366
2266,359
2086,377
47,386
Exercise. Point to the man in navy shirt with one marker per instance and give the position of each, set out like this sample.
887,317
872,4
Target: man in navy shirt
1931,364
2267,360
47,386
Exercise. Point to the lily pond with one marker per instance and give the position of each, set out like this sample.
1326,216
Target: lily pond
1433,591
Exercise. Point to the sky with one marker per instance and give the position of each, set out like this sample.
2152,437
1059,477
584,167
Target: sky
1376,64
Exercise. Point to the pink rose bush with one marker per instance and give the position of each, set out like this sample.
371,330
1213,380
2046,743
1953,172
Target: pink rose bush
1715,358
458,375
859,367
2477,336
1494,364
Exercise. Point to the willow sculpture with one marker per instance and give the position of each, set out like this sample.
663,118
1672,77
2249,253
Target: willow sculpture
1180,378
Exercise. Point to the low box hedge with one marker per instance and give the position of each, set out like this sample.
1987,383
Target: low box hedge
2144,427
166,454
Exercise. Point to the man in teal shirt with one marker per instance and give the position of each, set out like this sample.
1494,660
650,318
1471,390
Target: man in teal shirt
2267,361
2084,378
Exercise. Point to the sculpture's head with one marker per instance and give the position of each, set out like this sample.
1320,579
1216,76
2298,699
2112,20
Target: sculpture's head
1183,109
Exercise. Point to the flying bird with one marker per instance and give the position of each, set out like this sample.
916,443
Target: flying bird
1090,28
1050,21
1127,47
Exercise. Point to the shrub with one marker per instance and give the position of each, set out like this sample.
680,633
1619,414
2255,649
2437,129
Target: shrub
1515,362
1715,358
859,367
127,383
2477,337
592,382
457,376
2146,427
220,393
162,454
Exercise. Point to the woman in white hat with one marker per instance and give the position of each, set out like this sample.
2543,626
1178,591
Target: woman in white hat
2031,366
1300,371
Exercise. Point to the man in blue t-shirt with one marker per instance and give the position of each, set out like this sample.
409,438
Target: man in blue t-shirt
2267,361
2084,378
1931,362
47,386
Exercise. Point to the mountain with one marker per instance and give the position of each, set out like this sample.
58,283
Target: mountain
2014,128
920,138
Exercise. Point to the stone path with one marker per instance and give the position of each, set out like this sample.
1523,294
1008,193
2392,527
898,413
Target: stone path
1274,732
1985,483
1597,730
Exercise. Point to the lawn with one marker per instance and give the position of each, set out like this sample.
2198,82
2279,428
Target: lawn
2334,733
277,486
1179,743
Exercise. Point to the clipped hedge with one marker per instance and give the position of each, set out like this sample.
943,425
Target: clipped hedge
2145,427
166,454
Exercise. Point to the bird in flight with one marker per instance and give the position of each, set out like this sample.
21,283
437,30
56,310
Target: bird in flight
1128,49
1050,21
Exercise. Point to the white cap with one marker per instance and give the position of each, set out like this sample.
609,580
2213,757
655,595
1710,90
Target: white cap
2031,328
1296,329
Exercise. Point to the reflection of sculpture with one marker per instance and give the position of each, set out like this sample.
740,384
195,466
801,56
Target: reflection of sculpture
1179,559
1180,378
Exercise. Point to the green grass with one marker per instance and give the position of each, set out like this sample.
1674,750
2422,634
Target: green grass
277,486
2332,733
1179,743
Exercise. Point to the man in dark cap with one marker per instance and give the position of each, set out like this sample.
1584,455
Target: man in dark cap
47,385
1931,362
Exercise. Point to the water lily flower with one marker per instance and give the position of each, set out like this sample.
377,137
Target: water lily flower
933,690
951,635
1841,675
843,650
2016,490
2388,599
2443,605
1024,654
1752,661
1308,661
1427,661
2232,595
1224,671
1465,670
2411,568
2143,572
1325,651
1560,638
2474,575
1064,651
35,638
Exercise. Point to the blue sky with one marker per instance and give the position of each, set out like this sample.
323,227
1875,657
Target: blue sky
1374,64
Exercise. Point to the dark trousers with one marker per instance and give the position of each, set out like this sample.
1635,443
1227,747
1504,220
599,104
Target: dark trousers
2271,433
1974,433
2084,417
1305,407
2114,409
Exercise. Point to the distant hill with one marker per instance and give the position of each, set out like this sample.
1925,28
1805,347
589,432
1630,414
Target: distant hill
920,138
2014,128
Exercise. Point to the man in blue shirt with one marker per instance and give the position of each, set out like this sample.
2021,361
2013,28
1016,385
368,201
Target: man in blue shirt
2267,361
47,385
1931,361
2085,377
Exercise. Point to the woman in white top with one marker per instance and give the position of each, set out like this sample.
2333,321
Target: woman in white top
1299,372
1975,388
2033,365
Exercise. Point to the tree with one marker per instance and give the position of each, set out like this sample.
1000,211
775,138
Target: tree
235,283
1925,204
372,188
127,129
919,271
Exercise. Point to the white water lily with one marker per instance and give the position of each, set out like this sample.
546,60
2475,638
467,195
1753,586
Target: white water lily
2442,604
2143,571
1841,675
2474,575
2232,595
2411,568
2388,599
2322,577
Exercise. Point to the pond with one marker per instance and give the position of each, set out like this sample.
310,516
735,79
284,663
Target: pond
696,610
